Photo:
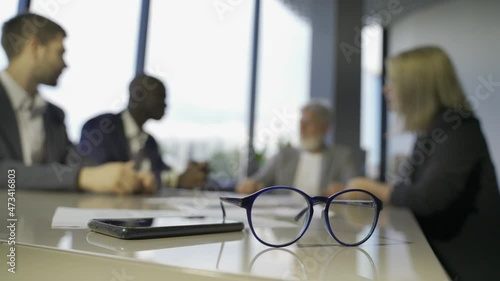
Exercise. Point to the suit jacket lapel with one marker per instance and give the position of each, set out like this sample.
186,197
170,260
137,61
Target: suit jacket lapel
49,140
55,140
8,125
325,168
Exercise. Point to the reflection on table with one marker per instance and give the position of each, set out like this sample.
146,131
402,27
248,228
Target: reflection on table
397,249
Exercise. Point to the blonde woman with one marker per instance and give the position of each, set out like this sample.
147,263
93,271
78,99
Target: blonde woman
449,180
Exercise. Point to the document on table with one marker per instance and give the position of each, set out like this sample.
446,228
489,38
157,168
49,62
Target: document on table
211,200
66,217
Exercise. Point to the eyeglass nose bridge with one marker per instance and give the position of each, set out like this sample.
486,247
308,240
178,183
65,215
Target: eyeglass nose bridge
314,201
319,200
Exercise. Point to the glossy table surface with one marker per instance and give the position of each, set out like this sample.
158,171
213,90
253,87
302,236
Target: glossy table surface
396,251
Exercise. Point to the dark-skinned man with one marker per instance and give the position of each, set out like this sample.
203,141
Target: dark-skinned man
128,141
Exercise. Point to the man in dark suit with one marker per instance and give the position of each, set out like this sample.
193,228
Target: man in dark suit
128,141
34,145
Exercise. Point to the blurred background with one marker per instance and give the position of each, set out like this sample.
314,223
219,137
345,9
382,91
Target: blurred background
238,71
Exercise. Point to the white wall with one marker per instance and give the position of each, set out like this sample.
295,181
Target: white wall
470,32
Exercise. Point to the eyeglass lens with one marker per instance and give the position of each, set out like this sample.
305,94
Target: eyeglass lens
279,226
352,220
351,216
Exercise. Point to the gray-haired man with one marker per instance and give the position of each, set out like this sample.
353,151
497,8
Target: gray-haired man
315,167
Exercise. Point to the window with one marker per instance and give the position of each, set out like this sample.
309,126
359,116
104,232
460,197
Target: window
100,53
283,75
9,9
202,53
371,91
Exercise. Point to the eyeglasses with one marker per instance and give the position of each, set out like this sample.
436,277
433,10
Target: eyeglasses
350,216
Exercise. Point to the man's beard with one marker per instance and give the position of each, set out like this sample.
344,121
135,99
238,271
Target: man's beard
311,143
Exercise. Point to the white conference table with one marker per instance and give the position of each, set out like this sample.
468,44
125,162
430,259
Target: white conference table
397,250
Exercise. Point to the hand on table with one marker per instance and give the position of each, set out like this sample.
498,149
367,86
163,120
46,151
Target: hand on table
248,186
147,182
194,176
333,188
380,190
115,177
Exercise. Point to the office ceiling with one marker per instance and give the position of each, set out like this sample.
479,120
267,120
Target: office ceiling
303,8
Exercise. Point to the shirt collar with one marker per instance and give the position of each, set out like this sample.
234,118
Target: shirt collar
19,98
132,130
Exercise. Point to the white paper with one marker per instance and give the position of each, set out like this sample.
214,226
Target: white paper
65,217
211,200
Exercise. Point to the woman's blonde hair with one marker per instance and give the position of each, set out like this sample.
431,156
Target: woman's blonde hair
425,83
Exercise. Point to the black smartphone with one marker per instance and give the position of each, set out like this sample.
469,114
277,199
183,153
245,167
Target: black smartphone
144,228
131,246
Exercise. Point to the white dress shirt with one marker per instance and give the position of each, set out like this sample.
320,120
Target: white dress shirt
136,138
29,114
308,174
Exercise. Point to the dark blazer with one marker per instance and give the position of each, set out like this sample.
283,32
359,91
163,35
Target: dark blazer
337,165
453,191
103,140
61,166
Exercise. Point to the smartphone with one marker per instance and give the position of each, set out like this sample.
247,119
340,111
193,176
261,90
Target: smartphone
132,246
160,227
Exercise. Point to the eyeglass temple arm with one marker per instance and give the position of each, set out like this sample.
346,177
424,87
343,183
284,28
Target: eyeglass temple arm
361,203
231,200
300,214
